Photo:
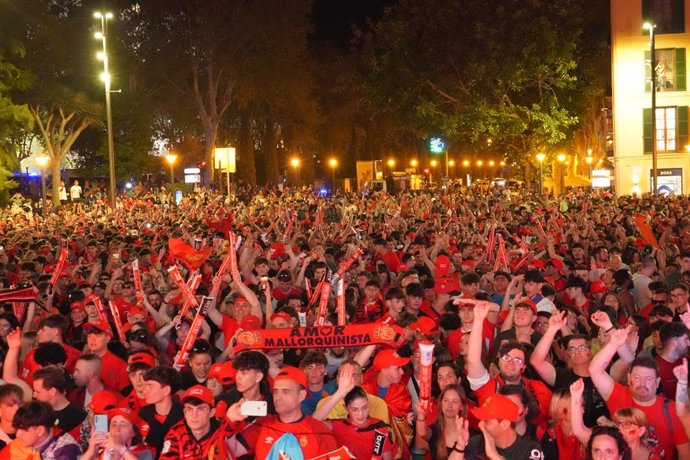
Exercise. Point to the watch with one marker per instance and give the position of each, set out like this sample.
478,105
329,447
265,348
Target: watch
460,451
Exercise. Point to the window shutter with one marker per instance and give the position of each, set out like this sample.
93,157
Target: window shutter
682,112
647,130
647,71
681,71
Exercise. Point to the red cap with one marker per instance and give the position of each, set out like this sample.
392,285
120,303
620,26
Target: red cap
250,323
223,372
443,266
143,358
76,305
137,311
125,412
597,287
100,324
199,392
103,401
558,263
387,358
282,314
446,284
292,373
529,303
425,325
497,406
276,250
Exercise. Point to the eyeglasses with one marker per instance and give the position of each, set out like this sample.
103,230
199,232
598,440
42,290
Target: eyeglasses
578,349
625,425
512,359
541,323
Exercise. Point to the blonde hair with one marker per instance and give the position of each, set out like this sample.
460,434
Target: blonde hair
630,414
559,401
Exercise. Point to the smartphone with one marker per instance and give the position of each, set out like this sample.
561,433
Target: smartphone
254,408
100,423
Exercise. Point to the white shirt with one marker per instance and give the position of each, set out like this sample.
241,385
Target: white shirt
75,192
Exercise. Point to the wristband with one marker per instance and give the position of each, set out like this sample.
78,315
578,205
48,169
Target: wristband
610,329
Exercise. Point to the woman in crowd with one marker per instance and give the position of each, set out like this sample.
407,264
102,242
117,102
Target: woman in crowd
439,438
607,443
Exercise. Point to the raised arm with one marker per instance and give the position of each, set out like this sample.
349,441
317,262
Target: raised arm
538,360
475,367
581,432
10,368
597,368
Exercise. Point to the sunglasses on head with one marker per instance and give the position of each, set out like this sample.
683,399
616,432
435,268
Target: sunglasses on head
136,336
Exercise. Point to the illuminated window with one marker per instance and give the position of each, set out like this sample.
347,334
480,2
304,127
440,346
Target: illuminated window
669,70
666,123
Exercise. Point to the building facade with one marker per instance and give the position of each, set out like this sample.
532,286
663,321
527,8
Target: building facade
632,73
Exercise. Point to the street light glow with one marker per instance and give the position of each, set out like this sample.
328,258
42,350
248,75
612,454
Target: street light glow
171,158
561,157
480,163
466,163
42,160
647,26
540,157
433,163
502,163
451,163
105,77
100,55
413,163
333,162
391,163
588,160
491,163
98,36
294,162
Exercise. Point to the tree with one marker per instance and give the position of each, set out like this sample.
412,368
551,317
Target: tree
479,69
14,118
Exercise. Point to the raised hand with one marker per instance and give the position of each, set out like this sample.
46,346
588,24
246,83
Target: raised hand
681,372
601,320
14,339
618,337
346,381
577,388
558,320
462,426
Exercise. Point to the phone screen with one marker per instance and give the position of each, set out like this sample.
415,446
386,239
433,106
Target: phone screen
100,423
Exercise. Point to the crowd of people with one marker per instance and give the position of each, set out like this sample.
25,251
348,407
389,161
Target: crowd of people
559,327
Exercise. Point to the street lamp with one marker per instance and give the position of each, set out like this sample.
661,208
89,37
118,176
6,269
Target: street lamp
42,161
105,76
540,159
333,163
433,164
391,163
588,160
414,164
294,162
171,158
451,164
652,45
561,157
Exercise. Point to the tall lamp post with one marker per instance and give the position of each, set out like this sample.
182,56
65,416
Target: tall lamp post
414,164
333,163
105,76
433,166
451,164
561,159
42,161
480,163
466,164
652,45
295,165
171,158
540,159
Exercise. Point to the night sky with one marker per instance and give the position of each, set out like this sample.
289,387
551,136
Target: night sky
333,19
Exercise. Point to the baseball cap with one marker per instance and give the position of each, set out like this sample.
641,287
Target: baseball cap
283,315
103,401
100,325
497,406
528,303
425,325
199,392
143,358
137,311
387,358
291,373
125,412
223,372
598,287
443,266
76,305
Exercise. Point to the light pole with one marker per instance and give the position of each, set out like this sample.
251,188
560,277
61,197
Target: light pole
171,158
540,159
451,163
433,166
652,45
333,163
42,161
561,159
466,164
589,160
105,76
480,163
295,165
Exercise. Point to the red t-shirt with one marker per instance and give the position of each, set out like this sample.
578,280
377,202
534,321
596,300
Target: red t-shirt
229,327
280,295
488,329
30,365
114,371
656,418
668,380
360,440
314,436
538,389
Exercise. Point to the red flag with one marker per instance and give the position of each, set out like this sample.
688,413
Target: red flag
189,256
645,230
